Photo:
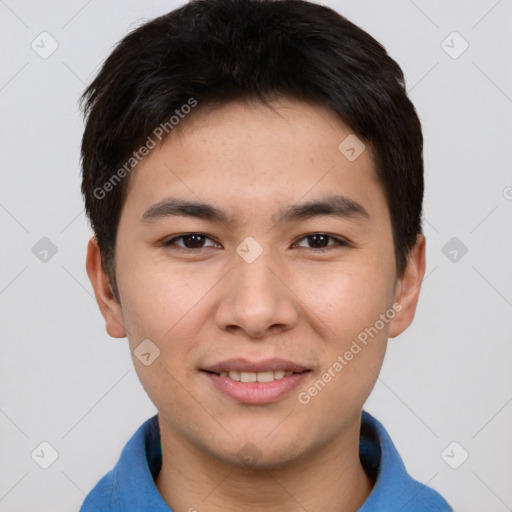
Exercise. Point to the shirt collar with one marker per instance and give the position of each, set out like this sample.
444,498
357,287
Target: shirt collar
394,490
131,483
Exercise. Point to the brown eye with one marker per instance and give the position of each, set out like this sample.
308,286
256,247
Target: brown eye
190,241
320,241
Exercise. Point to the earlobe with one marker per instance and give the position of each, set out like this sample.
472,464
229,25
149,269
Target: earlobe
109,307
408,288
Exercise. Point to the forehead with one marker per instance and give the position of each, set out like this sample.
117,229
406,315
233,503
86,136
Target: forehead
246,154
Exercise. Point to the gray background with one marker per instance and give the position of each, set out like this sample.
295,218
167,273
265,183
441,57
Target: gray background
446,379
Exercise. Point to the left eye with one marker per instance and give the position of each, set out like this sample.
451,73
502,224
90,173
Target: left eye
319,240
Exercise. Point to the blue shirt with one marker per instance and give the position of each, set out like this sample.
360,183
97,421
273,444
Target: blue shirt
130,486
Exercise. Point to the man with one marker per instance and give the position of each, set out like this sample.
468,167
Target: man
253,174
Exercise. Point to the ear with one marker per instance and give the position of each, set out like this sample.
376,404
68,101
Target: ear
408,287
109,307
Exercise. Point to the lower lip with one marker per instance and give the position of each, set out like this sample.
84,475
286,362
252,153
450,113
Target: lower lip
256,392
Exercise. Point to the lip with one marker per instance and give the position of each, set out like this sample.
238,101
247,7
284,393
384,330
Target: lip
255,392
244,365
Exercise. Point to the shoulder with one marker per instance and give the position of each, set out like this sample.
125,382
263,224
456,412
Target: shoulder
131,479
100,497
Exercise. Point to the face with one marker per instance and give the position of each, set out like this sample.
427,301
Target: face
286,270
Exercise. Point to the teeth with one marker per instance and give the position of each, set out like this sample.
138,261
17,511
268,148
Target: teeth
256,376
265,376
248,376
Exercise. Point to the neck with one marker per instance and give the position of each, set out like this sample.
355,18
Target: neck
331,478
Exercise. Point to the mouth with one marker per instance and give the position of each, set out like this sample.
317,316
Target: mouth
255,382
264,376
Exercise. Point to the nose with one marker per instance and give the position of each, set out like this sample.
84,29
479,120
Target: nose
256,299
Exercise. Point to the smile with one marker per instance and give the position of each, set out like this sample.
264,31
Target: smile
265,376
255,388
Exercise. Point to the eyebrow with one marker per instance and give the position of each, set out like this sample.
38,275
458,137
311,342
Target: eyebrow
333,206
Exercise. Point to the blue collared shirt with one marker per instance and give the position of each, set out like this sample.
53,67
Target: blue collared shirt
130,486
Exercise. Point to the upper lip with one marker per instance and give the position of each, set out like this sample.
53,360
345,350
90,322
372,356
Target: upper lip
244,365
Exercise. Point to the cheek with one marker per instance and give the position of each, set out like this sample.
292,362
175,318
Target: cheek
164,307
350,303
354,346
158,300
346,297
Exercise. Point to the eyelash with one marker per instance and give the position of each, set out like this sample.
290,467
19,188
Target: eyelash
339,242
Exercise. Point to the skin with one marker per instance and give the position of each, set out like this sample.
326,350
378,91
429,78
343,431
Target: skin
207,304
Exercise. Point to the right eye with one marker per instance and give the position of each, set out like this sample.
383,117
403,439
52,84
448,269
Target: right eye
191,241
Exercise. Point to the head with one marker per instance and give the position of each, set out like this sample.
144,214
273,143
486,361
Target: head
253,109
